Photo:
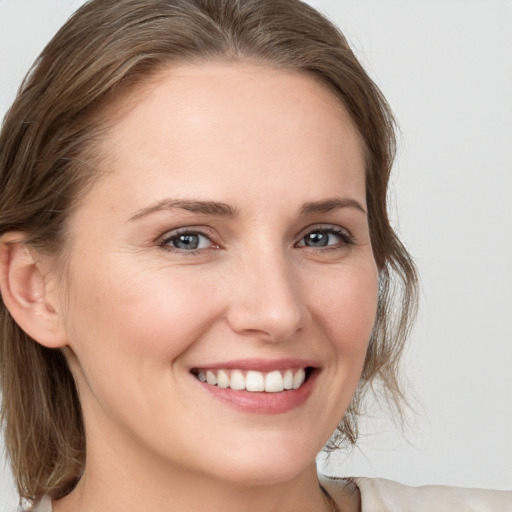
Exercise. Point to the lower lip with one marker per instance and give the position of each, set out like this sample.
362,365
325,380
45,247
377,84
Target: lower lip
261,402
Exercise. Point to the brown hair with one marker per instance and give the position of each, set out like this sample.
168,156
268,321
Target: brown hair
51,131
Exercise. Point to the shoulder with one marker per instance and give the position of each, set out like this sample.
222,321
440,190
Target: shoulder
343,491
381,495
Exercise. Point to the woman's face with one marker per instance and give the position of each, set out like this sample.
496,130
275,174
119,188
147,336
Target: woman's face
227,240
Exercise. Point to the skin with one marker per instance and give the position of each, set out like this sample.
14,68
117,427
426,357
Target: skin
138,313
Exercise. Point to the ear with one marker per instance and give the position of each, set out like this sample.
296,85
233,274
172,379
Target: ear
29,292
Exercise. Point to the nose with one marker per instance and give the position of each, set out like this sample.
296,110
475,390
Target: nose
266,300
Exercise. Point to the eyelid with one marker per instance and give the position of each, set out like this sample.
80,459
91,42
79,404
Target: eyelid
346,235
163,240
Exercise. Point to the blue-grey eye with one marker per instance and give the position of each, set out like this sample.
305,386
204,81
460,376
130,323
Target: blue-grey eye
189,241
322,238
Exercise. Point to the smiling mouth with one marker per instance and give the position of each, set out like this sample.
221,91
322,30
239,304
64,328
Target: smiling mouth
275,381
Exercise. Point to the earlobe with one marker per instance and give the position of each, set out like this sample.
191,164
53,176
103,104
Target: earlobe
28,293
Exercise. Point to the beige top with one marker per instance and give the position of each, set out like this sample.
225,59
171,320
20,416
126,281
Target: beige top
380,495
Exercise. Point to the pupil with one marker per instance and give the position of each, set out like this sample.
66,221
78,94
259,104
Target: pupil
317,240
187,242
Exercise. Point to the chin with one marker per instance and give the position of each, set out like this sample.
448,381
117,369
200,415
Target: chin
268,460
262,473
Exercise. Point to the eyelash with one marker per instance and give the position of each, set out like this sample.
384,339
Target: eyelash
165,241
345,239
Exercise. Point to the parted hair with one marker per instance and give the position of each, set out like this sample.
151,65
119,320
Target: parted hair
52,130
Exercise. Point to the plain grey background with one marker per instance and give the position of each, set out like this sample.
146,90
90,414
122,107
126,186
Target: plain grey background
446,69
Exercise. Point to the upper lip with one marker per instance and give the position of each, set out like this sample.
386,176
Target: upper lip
258,364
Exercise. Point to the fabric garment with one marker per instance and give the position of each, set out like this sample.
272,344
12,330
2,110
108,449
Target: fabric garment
381,495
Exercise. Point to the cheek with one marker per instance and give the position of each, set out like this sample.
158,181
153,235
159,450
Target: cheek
346,306
123,313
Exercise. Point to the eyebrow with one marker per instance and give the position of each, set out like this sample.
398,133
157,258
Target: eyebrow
328,205
204,207
225,210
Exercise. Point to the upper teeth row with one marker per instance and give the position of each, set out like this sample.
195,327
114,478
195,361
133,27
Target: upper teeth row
272,382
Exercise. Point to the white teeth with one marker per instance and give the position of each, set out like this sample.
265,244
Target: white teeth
288,379
299,378
274,382
222,379
211,378
237,380
254,381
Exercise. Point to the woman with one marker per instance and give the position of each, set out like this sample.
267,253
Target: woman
197,265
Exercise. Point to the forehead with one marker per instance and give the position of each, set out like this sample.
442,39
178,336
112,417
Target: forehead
231,122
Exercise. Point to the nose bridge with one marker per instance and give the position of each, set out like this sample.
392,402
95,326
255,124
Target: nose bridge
268,299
